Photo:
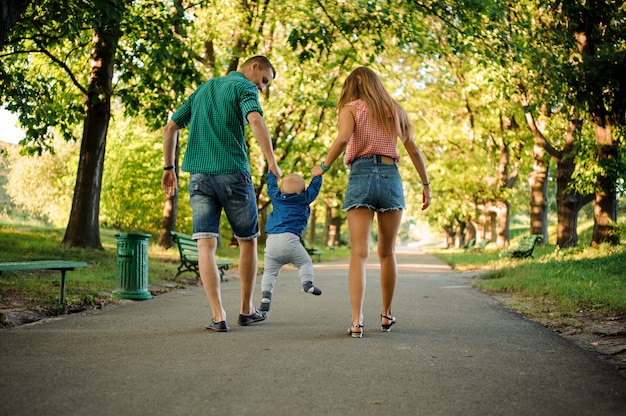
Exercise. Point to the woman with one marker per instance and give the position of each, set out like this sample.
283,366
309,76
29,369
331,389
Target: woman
370,121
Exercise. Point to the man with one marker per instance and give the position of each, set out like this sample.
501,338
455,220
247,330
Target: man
217,159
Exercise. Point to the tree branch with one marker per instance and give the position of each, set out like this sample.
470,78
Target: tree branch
64,67
534,129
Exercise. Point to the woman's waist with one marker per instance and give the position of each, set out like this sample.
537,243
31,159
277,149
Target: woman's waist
374,159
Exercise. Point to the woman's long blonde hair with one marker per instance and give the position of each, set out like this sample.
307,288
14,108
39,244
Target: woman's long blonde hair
364,84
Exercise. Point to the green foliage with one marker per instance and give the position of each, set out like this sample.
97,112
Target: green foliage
52,199
45,75
458,68
132,198
154,61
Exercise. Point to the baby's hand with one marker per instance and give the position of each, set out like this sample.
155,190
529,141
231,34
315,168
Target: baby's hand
317,171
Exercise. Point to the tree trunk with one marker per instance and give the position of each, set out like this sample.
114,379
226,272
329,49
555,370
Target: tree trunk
470,231
327,236
461,233
450,231
332,226
263,217
568,202
335,230
538,181
10,12
503,218
312,225
604,108
170,208
508,172
83,228
605,206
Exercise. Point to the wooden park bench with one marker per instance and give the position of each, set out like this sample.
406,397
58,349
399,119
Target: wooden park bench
61,265
313,251
188,251
525,247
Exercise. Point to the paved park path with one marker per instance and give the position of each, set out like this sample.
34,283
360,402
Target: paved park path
454,351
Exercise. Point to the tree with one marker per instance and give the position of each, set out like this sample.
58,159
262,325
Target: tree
83,228
597,41
133,44
563,76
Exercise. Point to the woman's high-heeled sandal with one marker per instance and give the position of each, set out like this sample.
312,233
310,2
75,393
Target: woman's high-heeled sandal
356,334
387,327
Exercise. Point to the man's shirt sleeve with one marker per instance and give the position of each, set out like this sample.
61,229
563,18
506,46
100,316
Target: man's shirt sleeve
249,101
182,116
272,185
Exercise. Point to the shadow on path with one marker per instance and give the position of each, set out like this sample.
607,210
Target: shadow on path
454,350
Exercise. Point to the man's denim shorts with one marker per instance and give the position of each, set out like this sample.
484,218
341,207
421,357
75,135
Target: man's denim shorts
375,185
208,194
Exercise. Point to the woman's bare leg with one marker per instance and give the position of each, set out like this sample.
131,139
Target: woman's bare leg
360,225
388,226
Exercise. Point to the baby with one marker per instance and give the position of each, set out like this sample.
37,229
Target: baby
287,221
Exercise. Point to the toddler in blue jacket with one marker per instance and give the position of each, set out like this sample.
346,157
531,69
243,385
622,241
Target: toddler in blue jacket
288,219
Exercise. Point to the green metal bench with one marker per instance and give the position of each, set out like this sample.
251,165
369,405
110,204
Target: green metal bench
482,245
61,265
470,244
524,248
313,251
188,251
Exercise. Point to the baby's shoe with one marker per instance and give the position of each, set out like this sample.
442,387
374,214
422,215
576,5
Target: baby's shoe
309,288
265,301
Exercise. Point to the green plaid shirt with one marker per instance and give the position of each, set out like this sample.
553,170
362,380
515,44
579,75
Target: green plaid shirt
216,114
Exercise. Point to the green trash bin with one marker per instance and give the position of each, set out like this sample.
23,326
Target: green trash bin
131,266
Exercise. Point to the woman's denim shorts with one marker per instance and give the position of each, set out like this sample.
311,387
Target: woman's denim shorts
209,194
375,185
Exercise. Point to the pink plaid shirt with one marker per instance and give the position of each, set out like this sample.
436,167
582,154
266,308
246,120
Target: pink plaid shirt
368,139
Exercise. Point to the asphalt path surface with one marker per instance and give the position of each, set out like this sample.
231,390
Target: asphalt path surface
454,351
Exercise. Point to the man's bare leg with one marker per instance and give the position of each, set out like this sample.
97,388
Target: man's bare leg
248,263
209,274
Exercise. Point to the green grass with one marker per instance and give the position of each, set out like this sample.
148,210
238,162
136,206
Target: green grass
561,283
94,284
555,282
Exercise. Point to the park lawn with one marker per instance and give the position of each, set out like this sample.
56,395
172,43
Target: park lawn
91,286
559,284
556,282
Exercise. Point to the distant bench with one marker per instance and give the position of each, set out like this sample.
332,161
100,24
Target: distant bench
188,251
524,248
482,245
61,265
471,245
313,251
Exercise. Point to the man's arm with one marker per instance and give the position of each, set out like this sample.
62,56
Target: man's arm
170,136
260,132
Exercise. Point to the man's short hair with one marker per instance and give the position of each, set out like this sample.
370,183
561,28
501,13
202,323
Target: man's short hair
263,63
